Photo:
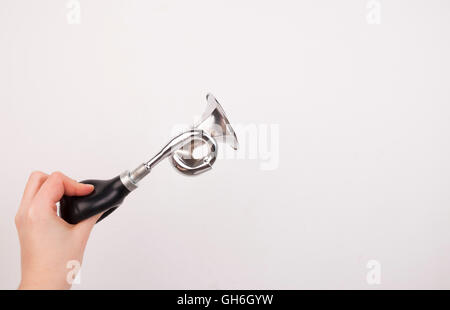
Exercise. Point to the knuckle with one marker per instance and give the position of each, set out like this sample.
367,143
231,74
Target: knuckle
57,175
35,175
17,219
31,217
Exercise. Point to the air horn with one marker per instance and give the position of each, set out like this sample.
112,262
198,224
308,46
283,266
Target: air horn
108,195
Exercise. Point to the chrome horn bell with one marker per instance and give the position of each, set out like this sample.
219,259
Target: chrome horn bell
212,128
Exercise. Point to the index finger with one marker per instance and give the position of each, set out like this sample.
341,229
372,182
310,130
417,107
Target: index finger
58,185
34,183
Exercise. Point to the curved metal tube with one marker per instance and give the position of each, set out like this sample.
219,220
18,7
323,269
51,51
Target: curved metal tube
182,159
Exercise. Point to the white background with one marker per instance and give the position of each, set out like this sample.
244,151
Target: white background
363,113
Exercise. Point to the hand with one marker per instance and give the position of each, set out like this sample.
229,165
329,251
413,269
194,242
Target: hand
47,242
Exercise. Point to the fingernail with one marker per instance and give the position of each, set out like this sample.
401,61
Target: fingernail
90,185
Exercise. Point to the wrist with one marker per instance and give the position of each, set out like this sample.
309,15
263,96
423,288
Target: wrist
54,282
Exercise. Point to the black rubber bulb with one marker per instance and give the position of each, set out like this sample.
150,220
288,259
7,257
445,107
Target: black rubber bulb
106,197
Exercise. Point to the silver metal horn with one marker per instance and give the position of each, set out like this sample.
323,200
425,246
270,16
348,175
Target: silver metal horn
212,128
215,128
